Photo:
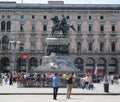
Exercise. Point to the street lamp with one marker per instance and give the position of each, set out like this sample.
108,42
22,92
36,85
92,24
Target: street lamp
14,43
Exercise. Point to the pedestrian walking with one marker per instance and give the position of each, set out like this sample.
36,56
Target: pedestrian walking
56,83
69,79
10,79
86,81
1,78
6,78
90,83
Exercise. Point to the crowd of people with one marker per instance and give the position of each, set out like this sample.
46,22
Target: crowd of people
83,81
6,78
56,80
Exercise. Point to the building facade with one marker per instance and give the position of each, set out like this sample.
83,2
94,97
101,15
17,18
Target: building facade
95,45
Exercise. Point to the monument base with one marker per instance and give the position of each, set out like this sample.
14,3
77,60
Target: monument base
54,63
57,57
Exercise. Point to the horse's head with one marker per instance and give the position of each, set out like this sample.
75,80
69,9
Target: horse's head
55,19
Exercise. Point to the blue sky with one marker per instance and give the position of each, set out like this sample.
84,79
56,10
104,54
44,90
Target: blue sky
70,1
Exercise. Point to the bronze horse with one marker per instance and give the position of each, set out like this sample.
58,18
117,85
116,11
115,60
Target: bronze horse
59,26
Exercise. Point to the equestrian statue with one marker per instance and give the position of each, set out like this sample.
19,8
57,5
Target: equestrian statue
61,26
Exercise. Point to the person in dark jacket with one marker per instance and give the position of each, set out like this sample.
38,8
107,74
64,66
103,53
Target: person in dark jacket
10,79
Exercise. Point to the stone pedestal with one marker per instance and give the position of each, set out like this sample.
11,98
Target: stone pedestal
60,46
57,56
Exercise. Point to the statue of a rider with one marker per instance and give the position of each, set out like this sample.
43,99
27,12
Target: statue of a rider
61,25
63,21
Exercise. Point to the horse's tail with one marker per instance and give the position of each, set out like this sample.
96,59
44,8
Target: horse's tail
72,27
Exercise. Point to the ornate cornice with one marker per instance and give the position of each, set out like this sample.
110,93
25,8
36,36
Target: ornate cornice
113,39
101,39
79,39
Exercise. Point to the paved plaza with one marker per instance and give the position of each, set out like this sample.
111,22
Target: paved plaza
15,94
98,89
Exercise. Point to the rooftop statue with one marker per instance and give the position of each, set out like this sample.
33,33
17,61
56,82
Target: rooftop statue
61,26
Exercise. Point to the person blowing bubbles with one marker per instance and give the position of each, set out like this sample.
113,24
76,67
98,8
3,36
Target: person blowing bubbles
69,80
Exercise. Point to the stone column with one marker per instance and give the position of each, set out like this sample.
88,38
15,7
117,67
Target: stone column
11,66
106,69
0,44
118,68
95,68
84,67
